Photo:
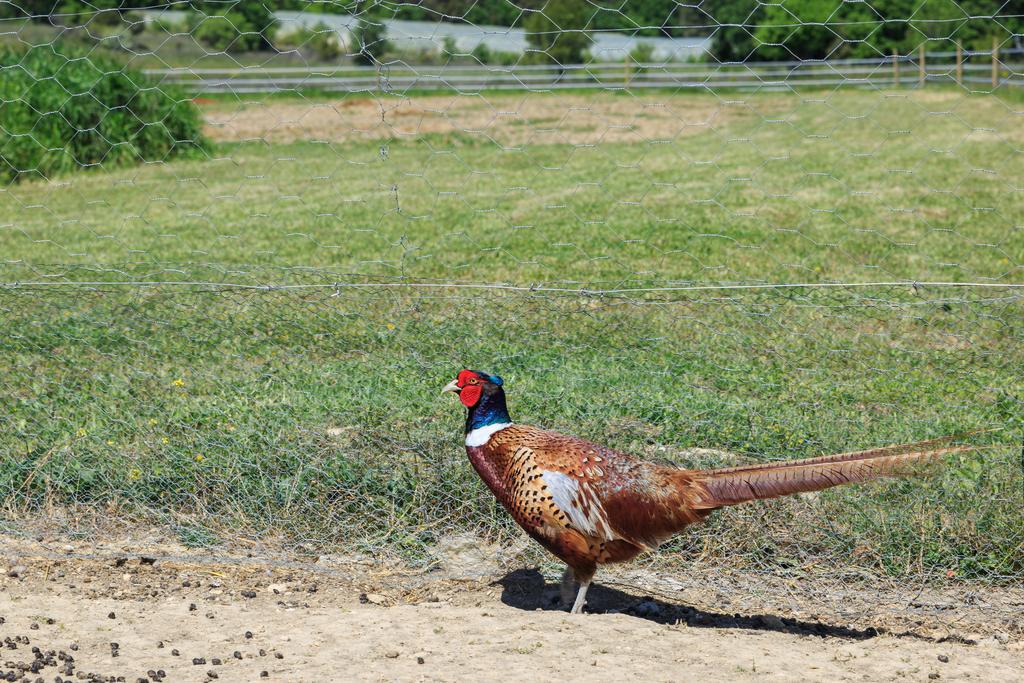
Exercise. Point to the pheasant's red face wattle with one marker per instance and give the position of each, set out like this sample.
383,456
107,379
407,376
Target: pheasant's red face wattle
469,383
482,394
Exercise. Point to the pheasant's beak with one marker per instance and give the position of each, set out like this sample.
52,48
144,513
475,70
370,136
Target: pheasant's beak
452,386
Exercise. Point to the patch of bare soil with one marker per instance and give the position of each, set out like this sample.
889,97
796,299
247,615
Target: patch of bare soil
121,610
509,121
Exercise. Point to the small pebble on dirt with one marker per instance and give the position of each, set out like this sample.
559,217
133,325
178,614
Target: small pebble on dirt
934,676
420,660
198,661
192,607
175,652
236,654
249,594
215,661
944,659
111,616
248,635
391,654
373,598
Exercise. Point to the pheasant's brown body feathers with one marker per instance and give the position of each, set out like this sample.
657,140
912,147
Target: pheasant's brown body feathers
591,505
587,504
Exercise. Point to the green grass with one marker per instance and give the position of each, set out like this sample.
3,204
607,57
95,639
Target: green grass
313,415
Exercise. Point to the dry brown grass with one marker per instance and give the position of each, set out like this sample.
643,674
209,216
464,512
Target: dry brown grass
509,120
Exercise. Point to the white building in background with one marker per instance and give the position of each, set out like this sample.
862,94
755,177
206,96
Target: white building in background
608,46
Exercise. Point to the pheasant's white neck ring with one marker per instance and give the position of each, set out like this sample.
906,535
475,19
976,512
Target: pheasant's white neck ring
481,435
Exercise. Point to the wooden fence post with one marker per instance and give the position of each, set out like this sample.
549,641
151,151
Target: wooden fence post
922,73
959,63
896,67
995,62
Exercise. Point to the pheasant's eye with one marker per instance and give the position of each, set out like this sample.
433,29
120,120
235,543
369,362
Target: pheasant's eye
472,380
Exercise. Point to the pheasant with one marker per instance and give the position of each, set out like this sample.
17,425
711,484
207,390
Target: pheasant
590,505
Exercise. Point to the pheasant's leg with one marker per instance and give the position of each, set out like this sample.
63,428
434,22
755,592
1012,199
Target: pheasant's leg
581,598
567,586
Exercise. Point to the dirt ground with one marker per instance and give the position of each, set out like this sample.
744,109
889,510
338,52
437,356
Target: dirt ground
120,610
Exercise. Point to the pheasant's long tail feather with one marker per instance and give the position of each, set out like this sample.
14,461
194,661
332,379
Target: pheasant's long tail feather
734,485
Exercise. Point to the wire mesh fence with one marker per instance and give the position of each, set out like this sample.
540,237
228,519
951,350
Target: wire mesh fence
244,245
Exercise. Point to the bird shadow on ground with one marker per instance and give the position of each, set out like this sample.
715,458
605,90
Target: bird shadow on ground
527,589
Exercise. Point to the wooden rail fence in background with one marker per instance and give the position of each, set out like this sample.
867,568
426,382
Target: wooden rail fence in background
965,68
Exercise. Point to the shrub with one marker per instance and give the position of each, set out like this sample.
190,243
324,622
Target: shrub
225,33
135,22
324,42
415,55
504,58
320,40
171,27
642,53
485,55
370,42
63,109
482,53
449,48
558,34
236,27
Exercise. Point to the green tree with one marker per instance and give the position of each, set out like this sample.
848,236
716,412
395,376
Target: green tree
799,29
252,24
815,29
559,32
733,40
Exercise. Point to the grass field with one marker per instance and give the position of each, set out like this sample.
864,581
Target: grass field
312,414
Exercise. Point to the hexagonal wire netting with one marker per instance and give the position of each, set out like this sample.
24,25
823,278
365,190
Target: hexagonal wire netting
244,245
